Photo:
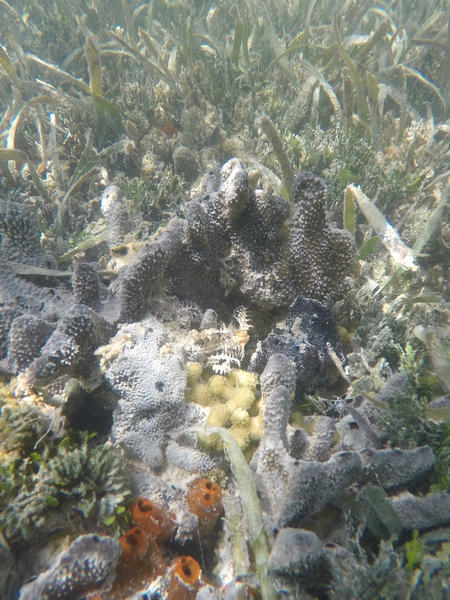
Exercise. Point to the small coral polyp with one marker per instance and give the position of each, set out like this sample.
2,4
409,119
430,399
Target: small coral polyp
154,519
205,501
185,579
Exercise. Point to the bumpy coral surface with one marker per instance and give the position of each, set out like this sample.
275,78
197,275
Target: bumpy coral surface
292,485
149,381
236,246
236,242
321,255
307,338
242,242
19,240
87,565
71,346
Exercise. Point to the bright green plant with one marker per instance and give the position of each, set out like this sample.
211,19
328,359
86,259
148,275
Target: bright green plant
415,551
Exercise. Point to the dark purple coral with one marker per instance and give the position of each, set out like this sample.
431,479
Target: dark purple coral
20,236
321,255
244,245
236,245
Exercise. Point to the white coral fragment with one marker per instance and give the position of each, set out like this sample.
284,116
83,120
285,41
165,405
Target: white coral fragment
399,251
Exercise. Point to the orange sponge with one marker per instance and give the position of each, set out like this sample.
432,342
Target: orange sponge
185,579
134,544
204,499
154,519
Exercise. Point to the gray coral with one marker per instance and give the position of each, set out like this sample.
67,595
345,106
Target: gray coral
291,488
28,333
148,379
324,252
422,513
71,346
20,236
297,475
306,338
299,553
115,211
85,285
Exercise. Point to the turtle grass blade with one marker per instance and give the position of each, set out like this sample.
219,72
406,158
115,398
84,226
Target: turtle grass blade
62,210
60,72
433,222
295,45
148,64
11,10
17,121
8,67
102,106
91,242
400,253
361,101
349,212
369,247
237,41
245,37
149,44
411,72
427,42
309,13
327,88
251,507
373,40
95,74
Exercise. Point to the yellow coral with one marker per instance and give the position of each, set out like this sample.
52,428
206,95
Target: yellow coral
219,386
241,398
232,401
241,436
200,394
255,428
240,378
240,417
194,373
219,416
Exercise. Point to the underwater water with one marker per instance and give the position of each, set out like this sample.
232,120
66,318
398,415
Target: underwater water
223,300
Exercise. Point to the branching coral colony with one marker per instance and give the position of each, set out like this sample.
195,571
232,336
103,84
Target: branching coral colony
215,335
